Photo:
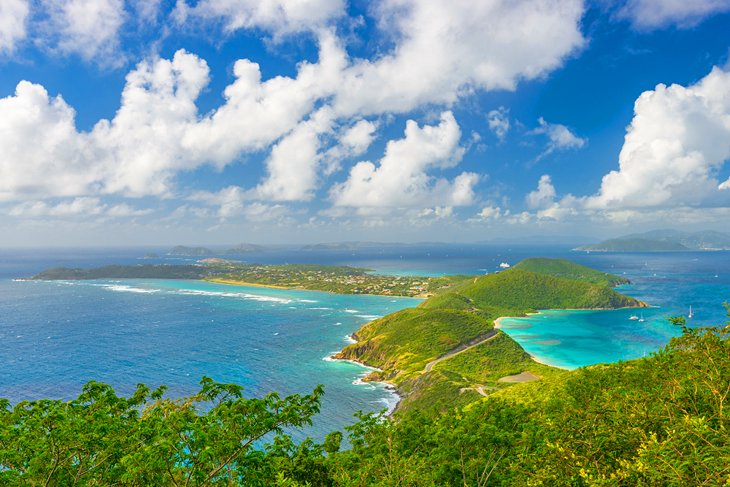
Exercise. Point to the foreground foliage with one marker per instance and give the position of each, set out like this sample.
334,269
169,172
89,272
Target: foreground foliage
662,420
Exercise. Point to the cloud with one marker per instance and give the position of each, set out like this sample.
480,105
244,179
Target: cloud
543,196
293,164
676,144
498,121
559,137
43,155
277,16
356,139
441,53
445,50
82,206
656,14
231,203
401,178
13,16
89,28
490,213
157,131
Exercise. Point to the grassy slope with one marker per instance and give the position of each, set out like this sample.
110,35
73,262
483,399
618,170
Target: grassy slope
403,343
570,270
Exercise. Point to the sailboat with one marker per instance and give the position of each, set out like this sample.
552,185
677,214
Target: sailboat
690,314
641,320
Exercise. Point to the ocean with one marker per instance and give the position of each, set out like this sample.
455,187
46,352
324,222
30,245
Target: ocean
58,335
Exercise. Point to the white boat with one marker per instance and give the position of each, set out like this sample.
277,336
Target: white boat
690,314
641,320
634,318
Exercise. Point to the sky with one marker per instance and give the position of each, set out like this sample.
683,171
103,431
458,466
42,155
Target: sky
151,122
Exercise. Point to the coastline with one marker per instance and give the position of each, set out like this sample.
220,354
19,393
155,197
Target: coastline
388,386
232,282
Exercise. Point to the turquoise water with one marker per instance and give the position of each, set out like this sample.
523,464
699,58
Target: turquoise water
59,335
571,339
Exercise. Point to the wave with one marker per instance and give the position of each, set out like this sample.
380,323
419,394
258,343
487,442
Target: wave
347,310
123,288
251,297
349,339
369,317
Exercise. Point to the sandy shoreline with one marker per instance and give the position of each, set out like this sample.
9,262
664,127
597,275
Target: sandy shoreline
233,282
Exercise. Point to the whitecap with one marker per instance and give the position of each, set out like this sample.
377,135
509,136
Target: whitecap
351,311
122,288
369,317
349,339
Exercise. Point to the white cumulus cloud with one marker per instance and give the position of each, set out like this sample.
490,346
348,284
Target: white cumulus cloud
401,178
13,16
559,137
498,122
89,28
653,14
677,142
447,49
278,16
544,196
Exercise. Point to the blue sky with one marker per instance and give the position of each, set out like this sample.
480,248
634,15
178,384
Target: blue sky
223,121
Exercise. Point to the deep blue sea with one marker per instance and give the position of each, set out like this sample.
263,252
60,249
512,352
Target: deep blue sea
57,335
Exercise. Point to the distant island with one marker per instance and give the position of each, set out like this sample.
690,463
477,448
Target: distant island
244,248
184,251
663,241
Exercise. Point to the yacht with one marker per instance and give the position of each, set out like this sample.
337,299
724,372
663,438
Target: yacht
641,320
690,314
634,318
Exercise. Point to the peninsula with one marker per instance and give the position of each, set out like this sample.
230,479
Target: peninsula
447,352
336,279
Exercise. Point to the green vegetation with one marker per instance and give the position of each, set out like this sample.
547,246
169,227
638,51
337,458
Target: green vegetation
336,279
570,270
661,420
147,271
446,352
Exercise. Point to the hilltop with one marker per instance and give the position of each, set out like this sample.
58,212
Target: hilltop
447,351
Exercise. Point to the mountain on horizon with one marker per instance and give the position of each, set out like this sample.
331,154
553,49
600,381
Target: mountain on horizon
665,240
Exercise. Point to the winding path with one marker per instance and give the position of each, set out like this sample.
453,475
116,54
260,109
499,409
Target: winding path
481,339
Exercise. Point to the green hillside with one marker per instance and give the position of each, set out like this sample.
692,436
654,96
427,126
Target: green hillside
456,328
570,270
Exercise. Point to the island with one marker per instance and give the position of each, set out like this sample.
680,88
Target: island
184,251
662,241
336,279
244,248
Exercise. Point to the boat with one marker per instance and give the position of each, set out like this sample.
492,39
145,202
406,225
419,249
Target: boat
690,314
634,318
641,320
